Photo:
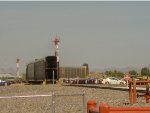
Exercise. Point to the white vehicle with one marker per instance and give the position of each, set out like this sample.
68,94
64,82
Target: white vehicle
4,83
113,80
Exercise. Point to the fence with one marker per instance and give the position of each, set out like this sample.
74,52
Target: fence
133,93
59,103
105,108
68,103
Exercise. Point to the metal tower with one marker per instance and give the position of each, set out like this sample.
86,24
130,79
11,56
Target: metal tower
56,41
17,63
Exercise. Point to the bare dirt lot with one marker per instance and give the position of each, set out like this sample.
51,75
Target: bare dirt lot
62,103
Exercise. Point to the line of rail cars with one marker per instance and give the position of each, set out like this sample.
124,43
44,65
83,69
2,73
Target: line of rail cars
43,69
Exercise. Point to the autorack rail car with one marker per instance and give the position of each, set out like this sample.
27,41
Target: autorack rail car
43,70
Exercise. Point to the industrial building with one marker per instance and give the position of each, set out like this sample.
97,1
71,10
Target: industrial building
42,69
73,72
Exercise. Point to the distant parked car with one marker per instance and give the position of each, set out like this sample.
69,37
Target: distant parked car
69,80
4,83
82,81
94,80
113,80
99,80
75,81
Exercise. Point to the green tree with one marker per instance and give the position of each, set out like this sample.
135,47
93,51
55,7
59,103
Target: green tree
133,72
108,73
114,73
145,71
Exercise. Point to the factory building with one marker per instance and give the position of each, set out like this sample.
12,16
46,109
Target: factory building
73,72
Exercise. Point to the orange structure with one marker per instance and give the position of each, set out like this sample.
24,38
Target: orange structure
133,93
91,106
105,108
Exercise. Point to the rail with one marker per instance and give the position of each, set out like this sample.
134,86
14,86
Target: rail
25,96
133,93
105,108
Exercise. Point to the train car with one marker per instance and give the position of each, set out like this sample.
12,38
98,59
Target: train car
43,70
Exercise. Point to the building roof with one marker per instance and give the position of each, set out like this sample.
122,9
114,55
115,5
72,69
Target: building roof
6,75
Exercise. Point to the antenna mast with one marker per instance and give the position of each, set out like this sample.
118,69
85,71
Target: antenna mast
17,63
56,41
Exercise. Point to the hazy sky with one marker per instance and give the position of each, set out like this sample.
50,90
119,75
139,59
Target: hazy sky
102,34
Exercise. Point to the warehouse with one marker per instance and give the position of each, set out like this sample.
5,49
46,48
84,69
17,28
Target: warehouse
73,72
42,69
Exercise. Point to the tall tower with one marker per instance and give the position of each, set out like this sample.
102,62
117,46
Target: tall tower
56,41
17,63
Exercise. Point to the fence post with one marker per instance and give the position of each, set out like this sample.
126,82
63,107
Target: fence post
104,108
83,102
53,96
91,104
134,91
53,102
130,92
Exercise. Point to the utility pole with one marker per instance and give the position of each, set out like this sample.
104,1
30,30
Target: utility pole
17,64
56,41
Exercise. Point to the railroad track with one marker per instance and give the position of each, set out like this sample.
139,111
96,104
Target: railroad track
103,86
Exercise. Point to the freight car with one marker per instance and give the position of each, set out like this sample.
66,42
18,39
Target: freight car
43,70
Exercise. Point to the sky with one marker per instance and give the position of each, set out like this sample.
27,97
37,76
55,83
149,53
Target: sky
103,34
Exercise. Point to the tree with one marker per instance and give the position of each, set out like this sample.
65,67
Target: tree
133,72
114,73
145,71
108,73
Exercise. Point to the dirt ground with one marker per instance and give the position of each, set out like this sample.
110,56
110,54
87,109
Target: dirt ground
67,99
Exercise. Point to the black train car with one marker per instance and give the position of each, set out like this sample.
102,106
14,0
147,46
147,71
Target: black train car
43,69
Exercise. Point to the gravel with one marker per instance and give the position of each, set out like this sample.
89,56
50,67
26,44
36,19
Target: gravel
64,101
